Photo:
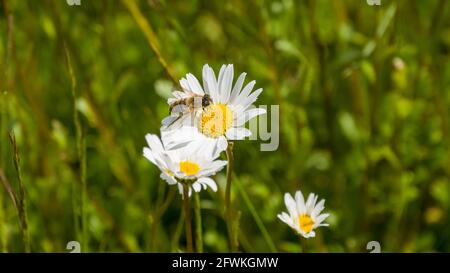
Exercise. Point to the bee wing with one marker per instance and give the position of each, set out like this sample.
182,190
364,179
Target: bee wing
172,120
171,100
169,121
179,120
179,109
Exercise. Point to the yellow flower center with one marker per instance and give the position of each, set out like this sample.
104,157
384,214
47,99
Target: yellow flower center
189,168
215,120
306,223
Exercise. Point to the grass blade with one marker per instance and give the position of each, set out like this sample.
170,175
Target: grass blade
21,202
81,154
152,39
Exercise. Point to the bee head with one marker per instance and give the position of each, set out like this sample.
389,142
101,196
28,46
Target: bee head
206,100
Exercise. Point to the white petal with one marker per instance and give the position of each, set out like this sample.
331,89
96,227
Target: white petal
321,218
318,208
237,88
208,182
179,94
221,74
194,148
313,204
290,205
251,99
204,77
213,168
285,218
238,133
220,81
154,143
194,84
180,189
300,201
184,84
244,94
163,160
221,145
309,202
211,148
211,83
149,155
197,186
248,115
169,179
155,152
227,83
180,137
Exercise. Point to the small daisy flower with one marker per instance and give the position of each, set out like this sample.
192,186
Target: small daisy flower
304,217
224,118
191,164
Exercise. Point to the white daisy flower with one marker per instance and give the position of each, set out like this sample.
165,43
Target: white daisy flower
304,217
192,163
229,108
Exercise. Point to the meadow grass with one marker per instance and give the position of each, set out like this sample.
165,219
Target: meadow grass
364,122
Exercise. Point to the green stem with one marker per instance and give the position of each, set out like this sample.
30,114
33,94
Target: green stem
228,210
304,244
187,217
257,219
198,224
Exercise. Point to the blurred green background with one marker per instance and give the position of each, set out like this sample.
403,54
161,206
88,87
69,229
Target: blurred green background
364,100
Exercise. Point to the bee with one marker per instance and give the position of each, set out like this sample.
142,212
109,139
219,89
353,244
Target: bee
182,106
187,104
